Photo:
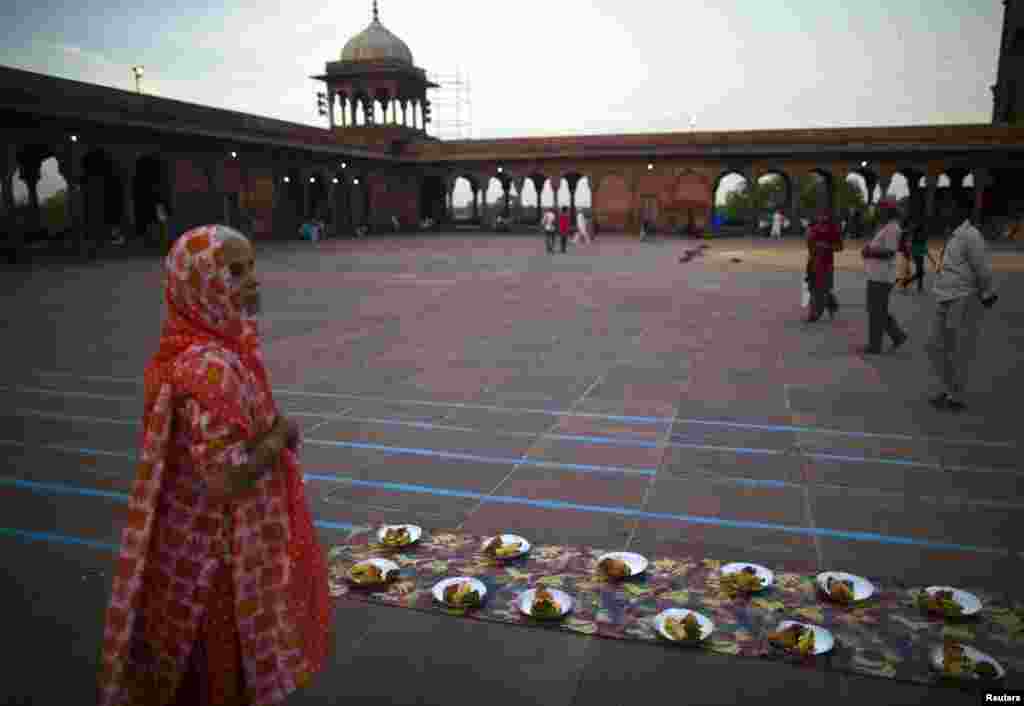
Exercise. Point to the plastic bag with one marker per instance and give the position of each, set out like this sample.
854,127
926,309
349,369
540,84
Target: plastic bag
805,294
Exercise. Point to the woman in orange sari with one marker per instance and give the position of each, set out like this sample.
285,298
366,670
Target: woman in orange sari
220,591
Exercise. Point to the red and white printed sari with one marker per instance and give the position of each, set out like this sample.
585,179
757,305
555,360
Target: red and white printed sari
212,601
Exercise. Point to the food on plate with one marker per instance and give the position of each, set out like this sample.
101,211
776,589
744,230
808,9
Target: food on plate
544,605
367,573
615,568
840,589
687,628
956,663
461,594
794,637
940,602
396,536
745,580
497,548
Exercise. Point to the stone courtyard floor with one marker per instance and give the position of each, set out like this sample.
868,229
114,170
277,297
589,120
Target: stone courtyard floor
421,365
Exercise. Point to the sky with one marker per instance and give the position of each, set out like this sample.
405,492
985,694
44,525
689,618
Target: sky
571,67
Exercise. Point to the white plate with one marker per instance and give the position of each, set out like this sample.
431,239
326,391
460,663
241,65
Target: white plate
384,565
970,603
441,585
937,659
563,599
636,563
767,577
862,588
414,534
823,640
706,626
510,539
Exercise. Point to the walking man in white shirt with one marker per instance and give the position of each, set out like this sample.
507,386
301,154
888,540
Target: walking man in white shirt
963,285
777,220
880,267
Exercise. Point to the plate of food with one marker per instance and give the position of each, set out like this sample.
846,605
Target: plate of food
506,546
949,601
740,577
801,638
545,603
460,592
621,565
372,572
964,662
843,587
398,535
682,625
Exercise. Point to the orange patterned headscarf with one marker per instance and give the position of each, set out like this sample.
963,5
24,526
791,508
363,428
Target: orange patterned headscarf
203,306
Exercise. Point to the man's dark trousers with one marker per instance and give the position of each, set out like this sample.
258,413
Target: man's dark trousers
549,238
880,322
565,240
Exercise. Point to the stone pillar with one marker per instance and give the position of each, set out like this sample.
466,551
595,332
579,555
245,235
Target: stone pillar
538,186
304,211
8,164
573,181
476,209
519,182
29,169
929,200
981,182
126,173
483,204
331,97
794,207
595,185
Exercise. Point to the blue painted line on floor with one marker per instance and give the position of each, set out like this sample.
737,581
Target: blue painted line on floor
551,505
631,512
512,461
563,412
57,539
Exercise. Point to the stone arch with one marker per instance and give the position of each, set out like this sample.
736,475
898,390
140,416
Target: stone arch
768,201
731,180
464,206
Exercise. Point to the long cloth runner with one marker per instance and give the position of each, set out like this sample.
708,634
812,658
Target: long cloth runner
885,636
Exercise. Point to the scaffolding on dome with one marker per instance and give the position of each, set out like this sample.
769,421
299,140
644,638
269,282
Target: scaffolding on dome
452,106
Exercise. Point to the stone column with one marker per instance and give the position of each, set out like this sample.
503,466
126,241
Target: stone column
981,182
794,207
126,172
929,200
595,184
538,186
29,168
332,206
483,203
70,168
8,164
519,182
572,181
331,97
306,195
476,209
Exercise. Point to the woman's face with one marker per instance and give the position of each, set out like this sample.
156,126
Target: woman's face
240,262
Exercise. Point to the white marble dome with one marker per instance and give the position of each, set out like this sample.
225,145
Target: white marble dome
376,43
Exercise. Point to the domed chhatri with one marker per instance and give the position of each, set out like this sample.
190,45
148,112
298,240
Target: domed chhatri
376,43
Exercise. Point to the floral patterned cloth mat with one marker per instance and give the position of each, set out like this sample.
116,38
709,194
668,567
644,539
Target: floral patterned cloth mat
886,635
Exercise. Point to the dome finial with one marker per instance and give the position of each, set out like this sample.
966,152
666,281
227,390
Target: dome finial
376,17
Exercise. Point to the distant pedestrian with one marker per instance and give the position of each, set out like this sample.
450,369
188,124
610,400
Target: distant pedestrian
880,267
548,226
777,220
962,286
564,225
918,251
582,231
824,240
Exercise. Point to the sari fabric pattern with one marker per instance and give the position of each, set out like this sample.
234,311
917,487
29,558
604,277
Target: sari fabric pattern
207,394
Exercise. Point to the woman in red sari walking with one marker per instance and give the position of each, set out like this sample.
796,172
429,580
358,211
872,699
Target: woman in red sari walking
220,592
824,240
